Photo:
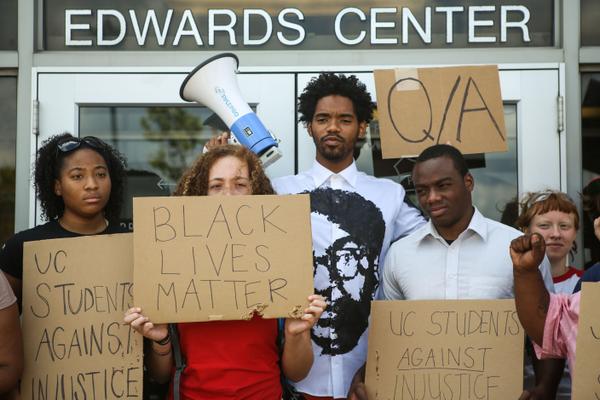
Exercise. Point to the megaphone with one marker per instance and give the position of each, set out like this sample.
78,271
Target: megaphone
214,84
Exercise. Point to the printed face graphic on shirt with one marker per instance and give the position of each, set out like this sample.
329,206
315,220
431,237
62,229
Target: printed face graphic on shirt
346,272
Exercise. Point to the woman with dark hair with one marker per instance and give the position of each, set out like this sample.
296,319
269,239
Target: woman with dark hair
229,359
79,182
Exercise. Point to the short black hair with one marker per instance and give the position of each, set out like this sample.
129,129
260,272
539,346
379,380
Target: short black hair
47,168
328,84
445,150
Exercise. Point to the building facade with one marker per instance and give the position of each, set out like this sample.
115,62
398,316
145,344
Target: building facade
113,70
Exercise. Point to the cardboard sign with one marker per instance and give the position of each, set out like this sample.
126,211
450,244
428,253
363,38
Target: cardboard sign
222,257
452,349
420,107
586,381
75,293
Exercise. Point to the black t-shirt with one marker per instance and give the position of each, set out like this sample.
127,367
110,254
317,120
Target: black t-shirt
11,255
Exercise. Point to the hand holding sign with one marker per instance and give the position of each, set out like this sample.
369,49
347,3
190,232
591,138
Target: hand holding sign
222,257
312,313
142,325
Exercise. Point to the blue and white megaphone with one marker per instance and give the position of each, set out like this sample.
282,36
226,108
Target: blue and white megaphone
213,84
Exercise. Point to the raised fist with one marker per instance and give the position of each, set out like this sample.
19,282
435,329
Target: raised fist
527,252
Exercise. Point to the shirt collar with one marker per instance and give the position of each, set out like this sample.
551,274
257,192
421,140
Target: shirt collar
320,174
477,225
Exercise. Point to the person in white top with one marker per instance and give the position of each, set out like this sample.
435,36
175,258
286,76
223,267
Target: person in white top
354,219
458,254
554,215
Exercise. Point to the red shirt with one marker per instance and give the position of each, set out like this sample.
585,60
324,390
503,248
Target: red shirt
230,360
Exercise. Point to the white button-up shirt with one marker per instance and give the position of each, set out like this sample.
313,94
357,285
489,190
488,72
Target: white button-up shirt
354,219
477,265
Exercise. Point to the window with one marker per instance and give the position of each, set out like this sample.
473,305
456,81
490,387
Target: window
590,29
8,25
159,143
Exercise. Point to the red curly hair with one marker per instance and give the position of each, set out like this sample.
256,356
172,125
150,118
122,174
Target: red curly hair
542,202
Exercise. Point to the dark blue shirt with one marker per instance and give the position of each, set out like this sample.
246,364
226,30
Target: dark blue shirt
591,274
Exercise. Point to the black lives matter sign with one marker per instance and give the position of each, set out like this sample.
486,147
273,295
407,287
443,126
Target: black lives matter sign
222,257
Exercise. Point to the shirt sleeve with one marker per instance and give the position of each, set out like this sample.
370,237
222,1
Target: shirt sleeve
560,329
11,257
409,217
390,287
7,297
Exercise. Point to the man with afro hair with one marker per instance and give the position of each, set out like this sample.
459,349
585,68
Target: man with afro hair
354,219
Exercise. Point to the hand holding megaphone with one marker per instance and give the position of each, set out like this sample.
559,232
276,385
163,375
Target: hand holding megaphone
215,141
213,84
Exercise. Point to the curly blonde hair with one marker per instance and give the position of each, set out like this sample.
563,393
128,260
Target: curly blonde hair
194,181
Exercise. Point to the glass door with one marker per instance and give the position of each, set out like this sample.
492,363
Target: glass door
142,115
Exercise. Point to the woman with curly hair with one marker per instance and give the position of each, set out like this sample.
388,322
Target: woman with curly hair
79,183
229,359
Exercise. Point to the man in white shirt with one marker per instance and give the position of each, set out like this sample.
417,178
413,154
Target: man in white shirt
458,254
354,219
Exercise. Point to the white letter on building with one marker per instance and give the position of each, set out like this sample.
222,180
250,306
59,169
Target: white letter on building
504,24
338,26
482,22
212,27
286,24
376,25
266,17
449,20
425,34
187,17
122,28
69,26
161,36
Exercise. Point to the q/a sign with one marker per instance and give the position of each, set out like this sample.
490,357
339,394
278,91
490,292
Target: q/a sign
314,26
420,107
